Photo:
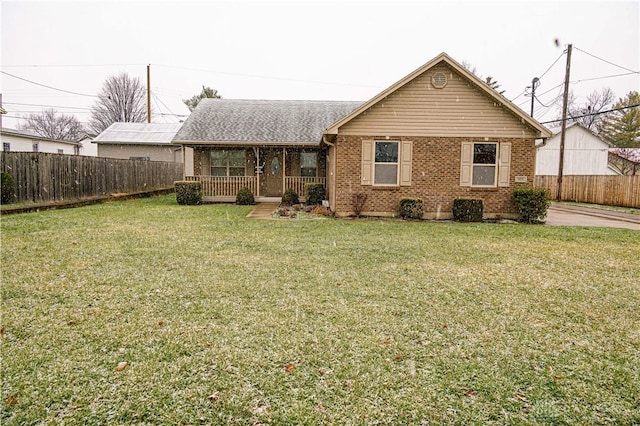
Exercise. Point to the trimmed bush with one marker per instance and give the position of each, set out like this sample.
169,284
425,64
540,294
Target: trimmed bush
188,193
411,208
7,189
245,197
467,210
314,193
532,203
290,197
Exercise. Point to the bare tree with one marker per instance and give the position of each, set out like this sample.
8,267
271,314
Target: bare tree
122,99
489,80
50,124
207,92
588,113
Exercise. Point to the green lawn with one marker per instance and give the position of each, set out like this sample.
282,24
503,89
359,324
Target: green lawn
228,320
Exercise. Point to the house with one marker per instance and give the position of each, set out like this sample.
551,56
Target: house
28,141
625,161
440,133
585,153
140,141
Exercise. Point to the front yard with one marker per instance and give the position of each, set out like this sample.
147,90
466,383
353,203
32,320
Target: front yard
222,319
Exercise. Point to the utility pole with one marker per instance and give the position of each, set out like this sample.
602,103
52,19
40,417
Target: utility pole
564,123
534,83
149,93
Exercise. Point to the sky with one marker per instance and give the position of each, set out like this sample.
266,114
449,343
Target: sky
311,50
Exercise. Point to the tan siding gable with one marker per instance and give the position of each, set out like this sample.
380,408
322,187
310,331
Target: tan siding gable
418,109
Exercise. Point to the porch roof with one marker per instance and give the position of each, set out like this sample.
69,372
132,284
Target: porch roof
260,122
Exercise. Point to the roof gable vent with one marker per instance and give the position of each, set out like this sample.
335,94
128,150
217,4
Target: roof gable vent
439,80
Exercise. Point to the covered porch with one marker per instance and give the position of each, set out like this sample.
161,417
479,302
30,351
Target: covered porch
268,171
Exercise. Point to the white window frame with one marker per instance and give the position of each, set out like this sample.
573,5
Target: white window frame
502,164
396,163
475,165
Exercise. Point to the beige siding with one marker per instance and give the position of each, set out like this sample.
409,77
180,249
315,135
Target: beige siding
457,110
155,153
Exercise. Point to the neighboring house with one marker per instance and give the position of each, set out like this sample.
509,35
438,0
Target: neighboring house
28,141
625,161
439,134
140,141
585,153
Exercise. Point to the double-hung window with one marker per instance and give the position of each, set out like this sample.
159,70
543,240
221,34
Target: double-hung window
228,162
386,163
485,164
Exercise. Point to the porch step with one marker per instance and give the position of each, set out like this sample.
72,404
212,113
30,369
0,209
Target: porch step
263,211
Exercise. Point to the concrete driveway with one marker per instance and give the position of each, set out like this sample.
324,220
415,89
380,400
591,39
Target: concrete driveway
569,215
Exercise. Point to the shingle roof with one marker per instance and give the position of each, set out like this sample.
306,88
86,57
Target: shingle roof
261,121
139,133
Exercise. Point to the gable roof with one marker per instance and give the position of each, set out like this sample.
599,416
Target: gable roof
138,133
542,131
265,122
580,127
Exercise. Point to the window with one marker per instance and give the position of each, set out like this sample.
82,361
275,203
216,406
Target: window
60,151
6,146
35,147
485,164
386,163
227,162
485,156
309,164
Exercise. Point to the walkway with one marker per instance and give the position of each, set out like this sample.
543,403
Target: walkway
263,211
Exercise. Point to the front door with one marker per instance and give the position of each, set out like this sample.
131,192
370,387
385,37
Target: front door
272,173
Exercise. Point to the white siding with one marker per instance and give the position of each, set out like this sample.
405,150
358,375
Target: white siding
25,144
584,154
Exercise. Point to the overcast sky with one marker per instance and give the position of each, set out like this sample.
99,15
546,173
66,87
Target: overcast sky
326,50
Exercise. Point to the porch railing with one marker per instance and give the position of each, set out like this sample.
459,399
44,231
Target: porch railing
222,186
297,183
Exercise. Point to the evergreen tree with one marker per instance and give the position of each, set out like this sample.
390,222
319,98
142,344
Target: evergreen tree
207,92
622,127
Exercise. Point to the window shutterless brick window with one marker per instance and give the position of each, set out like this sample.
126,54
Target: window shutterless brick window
485,164
386,163
309,164
228,162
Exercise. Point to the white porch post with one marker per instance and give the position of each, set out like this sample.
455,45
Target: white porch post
256,151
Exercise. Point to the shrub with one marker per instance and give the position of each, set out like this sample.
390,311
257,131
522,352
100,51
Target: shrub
358,202
7,190
290,197
411,208
244,197
467,210
532,203
188,193
314,193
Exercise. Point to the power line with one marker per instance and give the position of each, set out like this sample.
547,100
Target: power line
540,78
48,106
608,62
48,87
594,113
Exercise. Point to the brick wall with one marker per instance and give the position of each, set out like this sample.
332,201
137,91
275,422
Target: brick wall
435,177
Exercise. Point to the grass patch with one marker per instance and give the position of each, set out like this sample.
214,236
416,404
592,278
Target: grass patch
228,320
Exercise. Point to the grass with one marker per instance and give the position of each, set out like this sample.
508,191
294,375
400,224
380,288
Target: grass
228,320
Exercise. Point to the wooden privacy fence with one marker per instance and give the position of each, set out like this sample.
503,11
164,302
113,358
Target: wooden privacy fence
621,191
43,177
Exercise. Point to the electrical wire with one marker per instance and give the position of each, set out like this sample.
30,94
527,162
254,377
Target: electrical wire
48,87
593,113
48,106
608,62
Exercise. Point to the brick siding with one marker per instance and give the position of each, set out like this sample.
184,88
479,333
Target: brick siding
435,177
